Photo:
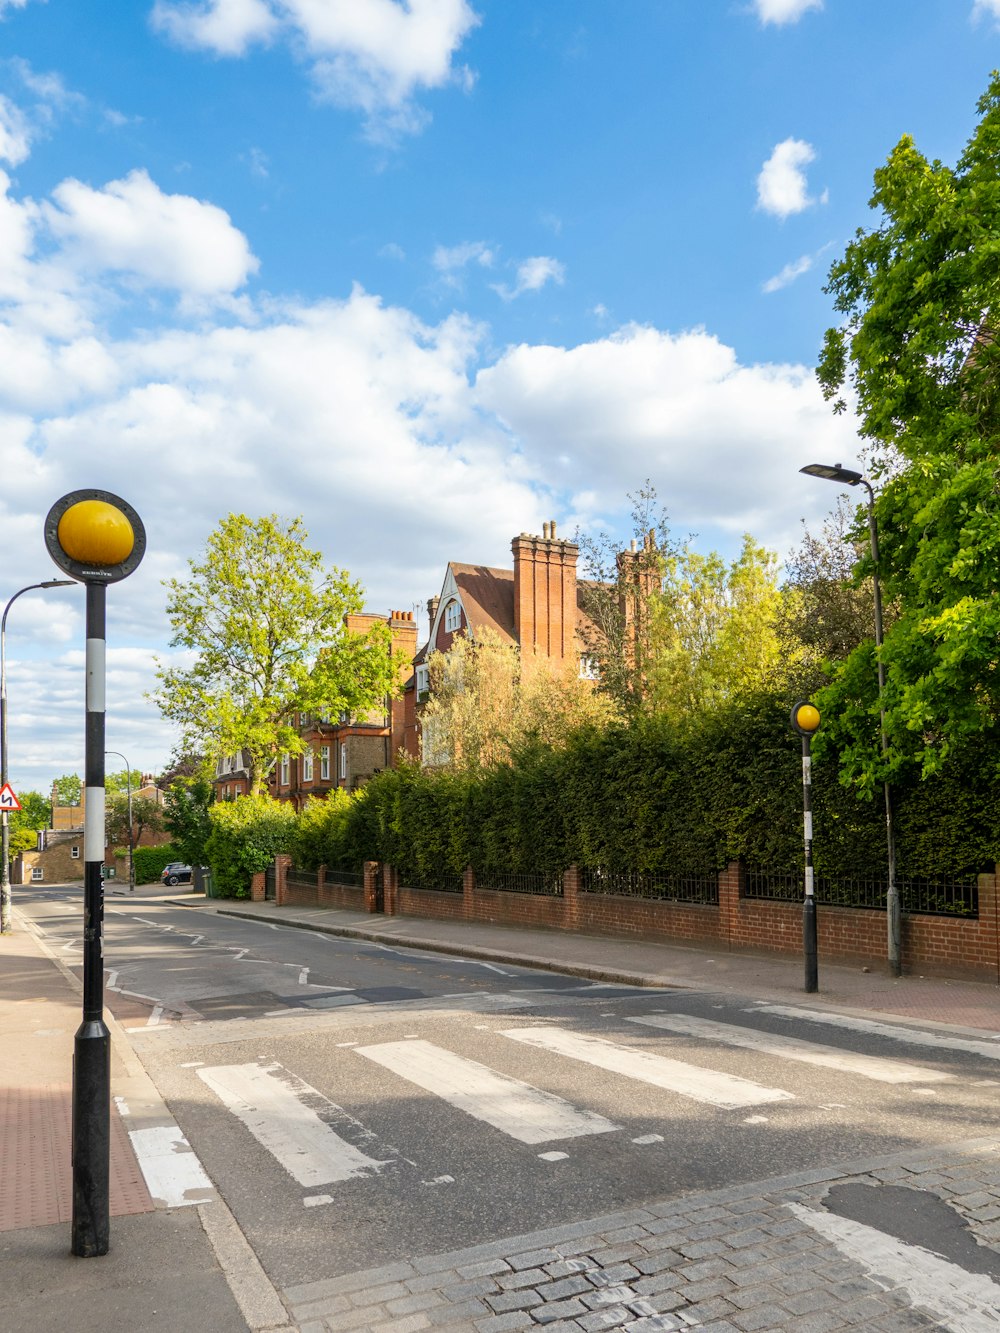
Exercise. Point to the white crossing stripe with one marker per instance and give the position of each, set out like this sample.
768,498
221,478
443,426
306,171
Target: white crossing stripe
518,1109
964,1302
991,1049
791,1048
273,1106
702,1085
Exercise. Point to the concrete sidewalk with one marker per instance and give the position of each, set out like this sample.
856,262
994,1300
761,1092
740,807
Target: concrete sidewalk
969,1005
162,1271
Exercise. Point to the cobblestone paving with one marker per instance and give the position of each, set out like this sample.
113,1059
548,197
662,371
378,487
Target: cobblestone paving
730,1261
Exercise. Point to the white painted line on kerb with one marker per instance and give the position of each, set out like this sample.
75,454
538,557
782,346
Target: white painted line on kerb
963,1302
517,1109
701,1085
791,1048
174,1176
990,1049
273,1108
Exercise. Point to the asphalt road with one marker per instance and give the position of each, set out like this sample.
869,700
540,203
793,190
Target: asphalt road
355,1103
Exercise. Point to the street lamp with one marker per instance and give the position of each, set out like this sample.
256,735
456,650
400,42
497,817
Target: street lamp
5,926
845,476
805,721
98,539
131,827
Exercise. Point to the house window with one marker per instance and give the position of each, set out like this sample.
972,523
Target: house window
225,792
74,852
453,616
285,770
423,679
588,668
307,766
36,874
343,761
324,763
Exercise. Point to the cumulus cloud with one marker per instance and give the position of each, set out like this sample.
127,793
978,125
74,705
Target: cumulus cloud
15,136
162,240
782,188
371,55
788,274
785,11
451,261
532,275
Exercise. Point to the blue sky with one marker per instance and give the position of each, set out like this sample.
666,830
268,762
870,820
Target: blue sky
427,273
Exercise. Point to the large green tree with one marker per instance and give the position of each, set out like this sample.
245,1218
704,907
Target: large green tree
264,620
917,351
35,813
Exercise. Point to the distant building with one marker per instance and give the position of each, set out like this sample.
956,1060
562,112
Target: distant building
58,857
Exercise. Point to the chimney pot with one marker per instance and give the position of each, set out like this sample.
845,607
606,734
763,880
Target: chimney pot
552,529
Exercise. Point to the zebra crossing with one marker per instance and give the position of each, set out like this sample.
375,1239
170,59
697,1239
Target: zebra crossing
318,1143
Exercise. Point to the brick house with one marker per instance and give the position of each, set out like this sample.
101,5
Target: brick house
340,751
58,856
537,605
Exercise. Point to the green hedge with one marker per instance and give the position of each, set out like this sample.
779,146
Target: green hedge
246,836
648,797
149,862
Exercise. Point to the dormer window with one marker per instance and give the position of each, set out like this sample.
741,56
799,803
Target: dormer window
453,617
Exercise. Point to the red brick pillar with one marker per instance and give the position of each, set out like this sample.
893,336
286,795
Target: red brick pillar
257,887
571,898
730,893
372,870
281,863
469,894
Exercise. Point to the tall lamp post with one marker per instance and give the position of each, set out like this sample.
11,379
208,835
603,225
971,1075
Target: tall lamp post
131,827
97,539
845,476
5,925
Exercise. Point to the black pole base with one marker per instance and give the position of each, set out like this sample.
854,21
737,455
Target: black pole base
809,944
91,1140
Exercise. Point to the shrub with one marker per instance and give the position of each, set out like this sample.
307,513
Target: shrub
149,861
246,836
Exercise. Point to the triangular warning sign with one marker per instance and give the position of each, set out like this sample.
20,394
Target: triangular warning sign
8,798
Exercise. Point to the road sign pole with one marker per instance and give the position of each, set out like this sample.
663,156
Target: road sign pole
805,720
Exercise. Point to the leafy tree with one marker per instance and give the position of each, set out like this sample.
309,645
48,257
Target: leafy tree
118,784
147,816
186,817
719,631
918,350
266,622
68,789
35,813
483,707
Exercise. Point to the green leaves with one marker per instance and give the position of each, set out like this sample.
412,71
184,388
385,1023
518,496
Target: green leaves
267,625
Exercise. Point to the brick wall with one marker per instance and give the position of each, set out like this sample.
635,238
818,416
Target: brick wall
934,945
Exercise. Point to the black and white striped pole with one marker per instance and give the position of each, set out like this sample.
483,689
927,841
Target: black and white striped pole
805,720
98,539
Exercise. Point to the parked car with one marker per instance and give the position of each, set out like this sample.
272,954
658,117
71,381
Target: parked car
176,872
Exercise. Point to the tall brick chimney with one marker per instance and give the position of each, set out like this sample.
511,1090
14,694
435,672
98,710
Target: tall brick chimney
432,608
545,595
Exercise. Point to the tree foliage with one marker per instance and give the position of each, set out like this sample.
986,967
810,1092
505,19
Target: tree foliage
918,350
147,817
246,836
23,825
264,619
186,817
68,789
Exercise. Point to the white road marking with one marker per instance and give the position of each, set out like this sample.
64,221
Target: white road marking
174,1176
702,1085
439,1180
316,1200
990,1049
792,1048
493,968
304,977
154,1018
112,981
756,1120
964,1302
274,1108
517,1109
648,1138
192,1064
553,1156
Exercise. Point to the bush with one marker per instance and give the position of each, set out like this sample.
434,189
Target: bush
149,861
246,836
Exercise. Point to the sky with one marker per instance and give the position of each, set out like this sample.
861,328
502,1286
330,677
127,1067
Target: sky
426,273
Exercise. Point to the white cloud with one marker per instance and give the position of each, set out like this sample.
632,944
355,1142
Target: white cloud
782,188
6,5
225,27
986,9
371,55
532,275
162,240
788,274
451,261
15,136
785,11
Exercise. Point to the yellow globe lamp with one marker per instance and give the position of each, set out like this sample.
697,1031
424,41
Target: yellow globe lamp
805,719
96,533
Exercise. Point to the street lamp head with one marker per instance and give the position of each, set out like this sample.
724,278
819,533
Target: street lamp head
833,472
58,583
805,718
